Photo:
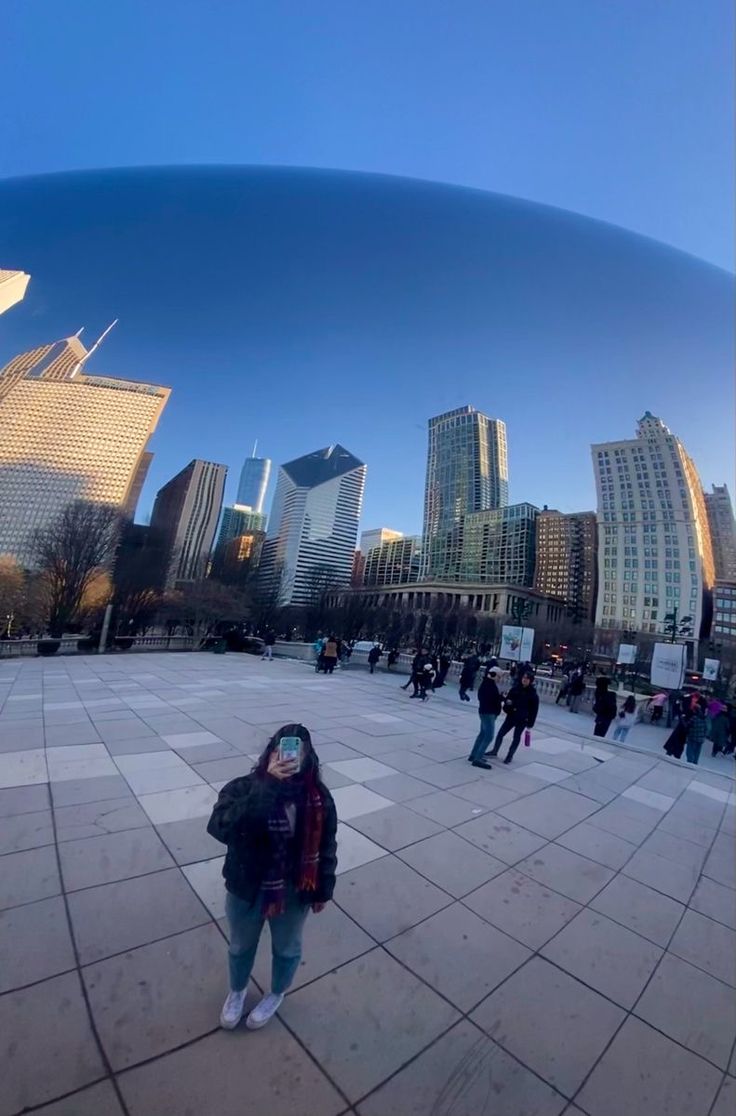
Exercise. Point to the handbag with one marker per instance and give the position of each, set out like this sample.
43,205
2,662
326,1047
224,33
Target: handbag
527,738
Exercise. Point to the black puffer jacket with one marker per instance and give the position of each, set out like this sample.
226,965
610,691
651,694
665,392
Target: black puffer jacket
522,705
489,698
240,821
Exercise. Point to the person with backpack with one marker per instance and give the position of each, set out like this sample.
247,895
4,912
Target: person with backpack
329,655
604,707
521,706
625,719
489,707
279,824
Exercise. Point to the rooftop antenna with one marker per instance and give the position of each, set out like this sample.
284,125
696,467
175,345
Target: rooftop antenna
255,447
79,332
89,352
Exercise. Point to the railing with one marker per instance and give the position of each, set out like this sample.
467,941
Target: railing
68,645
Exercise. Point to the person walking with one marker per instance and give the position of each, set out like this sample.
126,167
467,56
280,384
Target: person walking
426,678
329,655
576,690
318,647
521,707
718,728
604,707
489,707
417,666
373,657
393,658
625,719
269,639
695,732
445,662
279,825
656,705
564,687
471,666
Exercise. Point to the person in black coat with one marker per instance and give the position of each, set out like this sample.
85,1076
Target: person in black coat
417,667
575,690
604,707
521,707
489,707
373,657
279,825
468,674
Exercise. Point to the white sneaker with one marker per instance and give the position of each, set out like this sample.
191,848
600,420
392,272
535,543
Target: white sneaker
263,1011
232,1010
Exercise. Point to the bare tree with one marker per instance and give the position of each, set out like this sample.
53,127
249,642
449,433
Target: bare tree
70,553
201,606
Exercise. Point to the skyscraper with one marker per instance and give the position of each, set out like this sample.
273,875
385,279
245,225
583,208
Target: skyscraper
654,548
185,512
66,436
376,537
497,546
12,287
237,522
314,524
393,562
567,560
254,482
467,471
722,531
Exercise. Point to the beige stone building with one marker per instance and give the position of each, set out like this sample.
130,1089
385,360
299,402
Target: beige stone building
12,287
66,436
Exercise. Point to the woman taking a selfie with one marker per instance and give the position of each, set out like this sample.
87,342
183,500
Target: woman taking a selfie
279,825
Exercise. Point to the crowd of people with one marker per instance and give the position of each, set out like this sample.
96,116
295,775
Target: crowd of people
696,717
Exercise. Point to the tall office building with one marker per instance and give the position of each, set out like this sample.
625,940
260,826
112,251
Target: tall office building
722,531
497,546
67,436
376,537
567,560
254,482
12,287
185,512
393,562
314,524
654,547
467,471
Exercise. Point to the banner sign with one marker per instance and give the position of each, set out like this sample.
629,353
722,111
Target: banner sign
626,653
517,644
668,665
710,669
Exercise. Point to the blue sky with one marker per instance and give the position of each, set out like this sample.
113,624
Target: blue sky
621,111
618,111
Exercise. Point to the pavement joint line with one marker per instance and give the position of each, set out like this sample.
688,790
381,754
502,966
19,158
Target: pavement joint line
85,997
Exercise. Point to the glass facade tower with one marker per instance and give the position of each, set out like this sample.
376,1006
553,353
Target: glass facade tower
254,482
467,471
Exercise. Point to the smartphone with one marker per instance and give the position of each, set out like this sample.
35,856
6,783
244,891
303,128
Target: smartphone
290,750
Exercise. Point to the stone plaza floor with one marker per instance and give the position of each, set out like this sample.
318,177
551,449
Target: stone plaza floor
553,936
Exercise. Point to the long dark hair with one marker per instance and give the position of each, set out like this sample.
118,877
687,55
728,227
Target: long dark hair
310,762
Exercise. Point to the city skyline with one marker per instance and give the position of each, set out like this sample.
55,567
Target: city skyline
519,308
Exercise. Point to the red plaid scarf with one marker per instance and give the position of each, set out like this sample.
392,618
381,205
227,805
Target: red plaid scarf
279,830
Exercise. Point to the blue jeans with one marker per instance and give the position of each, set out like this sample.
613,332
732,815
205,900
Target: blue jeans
692,750
621,732
246,923
484,737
